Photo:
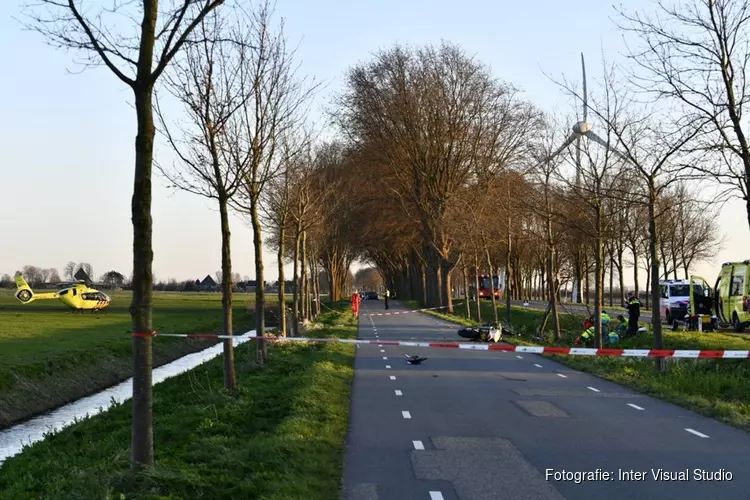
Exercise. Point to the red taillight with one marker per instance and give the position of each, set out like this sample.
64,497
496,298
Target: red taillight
744,304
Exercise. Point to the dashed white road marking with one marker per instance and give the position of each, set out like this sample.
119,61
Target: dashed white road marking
382,350
398,393
699,434
406,414
519,357
385,357
537,365
635,406
393,378
561,375
593,389
380,345
436,495
387,367
418,445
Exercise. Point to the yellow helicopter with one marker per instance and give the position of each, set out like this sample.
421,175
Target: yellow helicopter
78,297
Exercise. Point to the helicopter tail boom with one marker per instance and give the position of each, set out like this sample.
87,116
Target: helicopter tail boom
25,294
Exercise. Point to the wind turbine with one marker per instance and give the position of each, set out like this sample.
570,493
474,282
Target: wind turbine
580,130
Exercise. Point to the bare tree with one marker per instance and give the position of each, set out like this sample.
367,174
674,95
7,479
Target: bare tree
32,274
276,100
144,51
434,116
277,208
54,276
653,145
69,270
696,53
206,80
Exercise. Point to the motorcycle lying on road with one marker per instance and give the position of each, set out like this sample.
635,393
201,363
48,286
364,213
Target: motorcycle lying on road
483,333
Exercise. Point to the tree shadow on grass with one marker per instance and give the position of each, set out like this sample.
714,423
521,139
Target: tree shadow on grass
280,436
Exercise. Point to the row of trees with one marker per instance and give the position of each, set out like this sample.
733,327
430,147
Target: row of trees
453,172
39,276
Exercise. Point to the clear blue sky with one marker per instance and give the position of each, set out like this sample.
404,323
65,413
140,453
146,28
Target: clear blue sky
67,139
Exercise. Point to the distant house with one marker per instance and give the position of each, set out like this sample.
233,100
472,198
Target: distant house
208,284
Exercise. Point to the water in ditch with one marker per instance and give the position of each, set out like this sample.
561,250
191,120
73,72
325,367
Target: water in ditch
13,439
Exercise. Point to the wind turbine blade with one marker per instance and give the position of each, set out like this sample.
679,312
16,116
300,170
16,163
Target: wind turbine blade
565,144
602,142
585,96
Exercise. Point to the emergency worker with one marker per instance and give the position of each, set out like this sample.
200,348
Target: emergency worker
634,312
387,296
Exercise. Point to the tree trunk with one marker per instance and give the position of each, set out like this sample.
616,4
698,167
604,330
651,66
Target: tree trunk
508,277
611,280
599,280
230,378
282,295
297,280
303,270
578,271
621,275
476,287
260,291
318,302
587,276
655,298
492,285
467,299
552,281
142,445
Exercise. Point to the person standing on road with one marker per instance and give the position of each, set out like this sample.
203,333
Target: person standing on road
634,312
386,296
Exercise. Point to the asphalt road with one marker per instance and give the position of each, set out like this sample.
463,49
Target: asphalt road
487,425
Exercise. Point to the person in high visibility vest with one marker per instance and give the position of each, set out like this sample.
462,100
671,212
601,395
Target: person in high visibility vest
588,334
387,295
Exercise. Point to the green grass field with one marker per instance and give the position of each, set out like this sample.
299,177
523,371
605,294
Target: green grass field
49,356
718,388
280,437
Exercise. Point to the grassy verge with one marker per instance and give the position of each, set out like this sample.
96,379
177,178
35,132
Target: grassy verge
49,357
281,436
717,388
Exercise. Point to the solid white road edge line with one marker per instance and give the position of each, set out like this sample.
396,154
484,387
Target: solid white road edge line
693,431
418,445
635,406
406,414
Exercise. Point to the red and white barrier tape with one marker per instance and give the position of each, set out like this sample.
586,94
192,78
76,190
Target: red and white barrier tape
572,351
411,311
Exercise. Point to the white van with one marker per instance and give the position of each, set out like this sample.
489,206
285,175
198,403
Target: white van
675,300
